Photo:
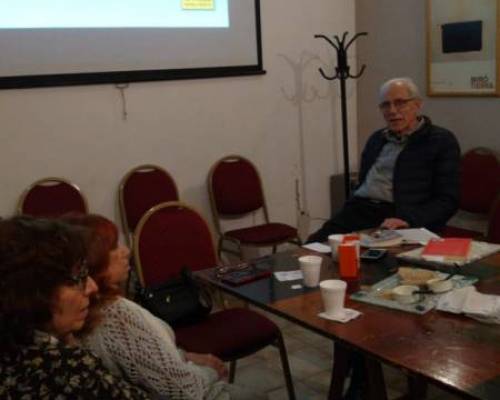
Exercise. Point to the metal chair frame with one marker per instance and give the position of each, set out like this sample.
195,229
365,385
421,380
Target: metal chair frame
279,342
483,151
48,182
217,216
121,198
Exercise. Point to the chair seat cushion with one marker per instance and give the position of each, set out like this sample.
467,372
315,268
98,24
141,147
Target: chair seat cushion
228,334
455,231
264,234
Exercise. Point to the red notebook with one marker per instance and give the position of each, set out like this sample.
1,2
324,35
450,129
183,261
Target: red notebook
453,249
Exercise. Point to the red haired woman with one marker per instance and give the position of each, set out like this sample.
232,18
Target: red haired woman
134,343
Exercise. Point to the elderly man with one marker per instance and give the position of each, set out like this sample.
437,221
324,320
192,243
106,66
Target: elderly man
409,175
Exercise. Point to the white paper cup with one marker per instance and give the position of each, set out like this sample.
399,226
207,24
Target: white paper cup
439,285
333,295
311,268
334,241
404,294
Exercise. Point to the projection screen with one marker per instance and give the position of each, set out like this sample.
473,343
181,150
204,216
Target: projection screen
74,42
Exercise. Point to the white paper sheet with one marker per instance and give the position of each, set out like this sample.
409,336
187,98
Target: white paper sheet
319,247
284,276
417,235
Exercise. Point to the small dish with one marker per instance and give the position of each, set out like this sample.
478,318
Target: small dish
405,294
439,285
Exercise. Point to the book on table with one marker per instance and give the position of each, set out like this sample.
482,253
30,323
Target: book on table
450,249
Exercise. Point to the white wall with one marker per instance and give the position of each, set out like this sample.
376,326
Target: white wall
185,126
396,46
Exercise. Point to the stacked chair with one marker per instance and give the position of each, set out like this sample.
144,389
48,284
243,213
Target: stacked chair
173,235
52,197
235,191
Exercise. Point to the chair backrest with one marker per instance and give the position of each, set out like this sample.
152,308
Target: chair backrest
52,197
140,189
235,188
494,223
479,180
168,237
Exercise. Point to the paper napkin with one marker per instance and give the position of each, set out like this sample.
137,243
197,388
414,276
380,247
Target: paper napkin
348,315
319,247
467,300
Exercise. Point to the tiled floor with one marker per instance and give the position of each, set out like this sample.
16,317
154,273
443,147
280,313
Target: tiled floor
310,356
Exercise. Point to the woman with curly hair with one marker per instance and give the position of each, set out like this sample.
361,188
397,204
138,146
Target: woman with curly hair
44,299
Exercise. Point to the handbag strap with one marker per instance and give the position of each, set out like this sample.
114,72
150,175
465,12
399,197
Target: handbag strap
203,292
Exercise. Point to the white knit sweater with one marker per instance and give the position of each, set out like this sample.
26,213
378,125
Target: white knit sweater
140,347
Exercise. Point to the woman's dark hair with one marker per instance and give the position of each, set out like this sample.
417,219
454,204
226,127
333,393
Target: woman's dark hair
103,238
36,258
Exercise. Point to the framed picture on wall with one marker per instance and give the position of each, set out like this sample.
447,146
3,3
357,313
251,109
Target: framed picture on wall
462,47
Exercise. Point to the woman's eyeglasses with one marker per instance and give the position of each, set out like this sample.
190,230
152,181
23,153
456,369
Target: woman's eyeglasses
223,270
398,104
80,275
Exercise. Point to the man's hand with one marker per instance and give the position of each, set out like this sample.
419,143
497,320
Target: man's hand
394,223
208,360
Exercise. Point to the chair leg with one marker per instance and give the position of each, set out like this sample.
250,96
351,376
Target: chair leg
286,367
232,370
219,248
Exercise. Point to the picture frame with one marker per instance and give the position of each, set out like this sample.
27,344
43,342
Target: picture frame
463,47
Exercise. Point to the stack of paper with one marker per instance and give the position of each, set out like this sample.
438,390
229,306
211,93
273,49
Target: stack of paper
417,235
381,238
467,300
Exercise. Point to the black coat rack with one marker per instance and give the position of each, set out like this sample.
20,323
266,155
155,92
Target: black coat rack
342,73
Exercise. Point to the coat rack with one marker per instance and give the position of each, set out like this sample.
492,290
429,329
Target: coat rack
342,73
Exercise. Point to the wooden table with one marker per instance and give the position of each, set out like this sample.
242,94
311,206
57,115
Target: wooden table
452,351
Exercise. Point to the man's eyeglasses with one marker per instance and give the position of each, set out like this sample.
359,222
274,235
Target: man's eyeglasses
398,104
80,275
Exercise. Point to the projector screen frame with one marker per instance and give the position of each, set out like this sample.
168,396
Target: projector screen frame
116,77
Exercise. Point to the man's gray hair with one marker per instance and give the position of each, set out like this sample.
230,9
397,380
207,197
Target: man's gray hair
406,82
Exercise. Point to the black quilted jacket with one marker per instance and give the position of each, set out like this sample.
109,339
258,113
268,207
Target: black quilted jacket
426,175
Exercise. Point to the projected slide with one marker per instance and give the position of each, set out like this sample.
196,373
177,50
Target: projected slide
47,14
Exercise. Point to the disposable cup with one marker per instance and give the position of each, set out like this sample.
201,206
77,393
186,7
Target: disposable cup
311,268
405,294
333,295
439,285
334,241
352,238
349,260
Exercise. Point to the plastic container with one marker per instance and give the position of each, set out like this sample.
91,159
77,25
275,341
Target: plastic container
349,261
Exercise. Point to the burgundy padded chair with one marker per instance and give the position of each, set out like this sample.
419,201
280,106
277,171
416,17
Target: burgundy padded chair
172,235
494,223
52,197
140,189
235,191
479,186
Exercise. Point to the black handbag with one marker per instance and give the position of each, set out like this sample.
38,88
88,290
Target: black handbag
178,301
